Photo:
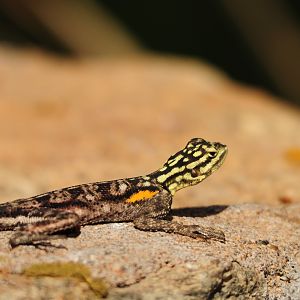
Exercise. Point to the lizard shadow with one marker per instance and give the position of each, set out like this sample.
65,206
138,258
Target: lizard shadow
198,211
70,233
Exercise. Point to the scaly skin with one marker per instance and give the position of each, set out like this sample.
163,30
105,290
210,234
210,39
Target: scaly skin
144,200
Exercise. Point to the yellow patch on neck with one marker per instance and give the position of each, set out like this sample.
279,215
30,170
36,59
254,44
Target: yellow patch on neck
141,196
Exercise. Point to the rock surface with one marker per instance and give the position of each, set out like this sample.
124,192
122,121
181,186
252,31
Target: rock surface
260,258
68,122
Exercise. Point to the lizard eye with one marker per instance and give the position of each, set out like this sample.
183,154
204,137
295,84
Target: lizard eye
212,154
194,173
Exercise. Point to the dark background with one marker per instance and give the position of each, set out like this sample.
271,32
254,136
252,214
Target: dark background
255,42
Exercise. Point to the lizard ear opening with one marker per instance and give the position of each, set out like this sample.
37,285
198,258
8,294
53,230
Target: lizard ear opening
194,173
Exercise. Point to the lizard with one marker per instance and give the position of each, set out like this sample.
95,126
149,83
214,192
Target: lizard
145,200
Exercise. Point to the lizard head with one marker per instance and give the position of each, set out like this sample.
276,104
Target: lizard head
191,165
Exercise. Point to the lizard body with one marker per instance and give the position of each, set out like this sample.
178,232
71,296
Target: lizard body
145,200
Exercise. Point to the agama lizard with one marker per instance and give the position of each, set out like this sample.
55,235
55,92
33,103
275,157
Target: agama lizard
144,200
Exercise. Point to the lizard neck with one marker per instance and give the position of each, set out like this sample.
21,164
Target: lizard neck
164,177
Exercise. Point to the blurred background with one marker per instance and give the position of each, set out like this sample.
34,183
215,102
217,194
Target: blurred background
94,90
256,42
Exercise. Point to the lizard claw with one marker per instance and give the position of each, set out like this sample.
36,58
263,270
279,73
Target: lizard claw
44,245
205,233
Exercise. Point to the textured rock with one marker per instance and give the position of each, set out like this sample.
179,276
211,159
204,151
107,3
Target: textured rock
19,287
204,279
260,257
67,122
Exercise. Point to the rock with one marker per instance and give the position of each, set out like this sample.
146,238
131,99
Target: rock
204,279
259,259
65,122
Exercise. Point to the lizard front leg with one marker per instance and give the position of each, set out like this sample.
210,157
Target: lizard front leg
194,231
37,232
154,222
